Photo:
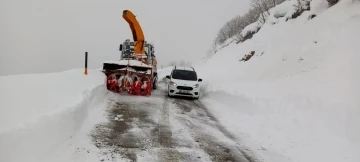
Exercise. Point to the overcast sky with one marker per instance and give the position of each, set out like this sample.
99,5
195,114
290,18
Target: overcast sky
52,35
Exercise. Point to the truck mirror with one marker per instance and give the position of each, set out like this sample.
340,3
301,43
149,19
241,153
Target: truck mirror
120,48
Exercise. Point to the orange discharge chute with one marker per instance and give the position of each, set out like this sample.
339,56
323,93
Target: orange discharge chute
138,35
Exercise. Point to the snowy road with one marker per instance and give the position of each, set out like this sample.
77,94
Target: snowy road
159,128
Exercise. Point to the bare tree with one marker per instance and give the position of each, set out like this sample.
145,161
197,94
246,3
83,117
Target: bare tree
232,28
221,36
273,3
214,47
303,5
261,7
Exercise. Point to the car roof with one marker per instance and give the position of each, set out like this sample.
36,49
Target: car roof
184,68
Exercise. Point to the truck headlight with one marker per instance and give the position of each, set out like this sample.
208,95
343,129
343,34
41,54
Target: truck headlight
196,86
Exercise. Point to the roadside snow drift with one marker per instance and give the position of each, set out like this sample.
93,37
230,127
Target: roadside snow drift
49,117
297,98
43,116
26,98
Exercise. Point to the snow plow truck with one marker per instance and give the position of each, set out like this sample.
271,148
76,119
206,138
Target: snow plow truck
136,70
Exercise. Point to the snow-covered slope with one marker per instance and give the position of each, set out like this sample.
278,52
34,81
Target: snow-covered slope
297,98
43,116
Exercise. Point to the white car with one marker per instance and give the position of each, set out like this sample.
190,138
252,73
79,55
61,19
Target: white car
183,81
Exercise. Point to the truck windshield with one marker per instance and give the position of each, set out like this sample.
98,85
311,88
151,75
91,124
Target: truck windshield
184,75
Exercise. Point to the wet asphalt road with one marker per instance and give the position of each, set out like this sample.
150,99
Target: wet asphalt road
159,128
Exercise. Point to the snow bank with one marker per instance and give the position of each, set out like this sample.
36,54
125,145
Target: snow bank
43,116
297,98
26,98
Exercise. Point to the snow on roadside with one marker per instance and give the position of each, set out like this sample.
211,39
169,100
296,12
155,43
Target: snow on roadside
296,99
26,98
43,116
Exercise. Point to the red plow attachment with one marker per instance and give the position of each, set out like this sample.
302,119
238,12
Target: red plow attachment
133,80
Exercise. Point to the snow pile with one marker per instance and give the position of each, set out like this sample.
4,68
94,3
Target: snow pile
46,94
297,98
43,116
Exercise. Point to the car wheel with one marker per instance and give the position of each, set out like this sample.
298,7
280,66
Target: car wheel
168,92
155,86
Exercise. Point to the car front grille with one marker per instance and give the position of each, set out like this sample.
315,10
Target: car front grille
184,88
188,94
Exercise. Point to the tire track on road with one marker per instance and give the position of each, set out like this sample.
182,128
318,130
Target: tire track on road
247,153
166,129
197,118
130,137
167,152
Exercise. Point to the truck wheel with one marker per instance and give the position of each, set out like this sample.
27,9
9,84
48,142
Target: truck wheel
155,83
154,86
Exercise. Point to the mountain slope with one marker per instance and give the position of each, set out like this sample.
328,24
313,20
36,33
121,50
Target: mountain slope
297,97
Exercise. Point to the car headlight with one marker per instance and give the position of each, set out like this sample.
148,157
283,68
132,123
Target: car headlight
173,83
196,86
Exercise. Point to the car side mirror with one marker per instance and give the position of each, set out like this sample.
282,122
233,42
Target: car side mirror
200,80
120,48
167,76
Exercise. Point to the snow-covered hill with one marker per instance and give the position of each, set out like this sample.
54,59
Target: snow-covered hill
297,98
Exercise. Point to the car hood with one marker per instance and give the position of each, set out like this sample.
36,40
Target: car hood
184,82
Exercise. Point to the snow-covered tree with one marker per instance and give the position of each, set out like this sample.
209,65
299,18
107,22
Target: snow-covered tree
233,27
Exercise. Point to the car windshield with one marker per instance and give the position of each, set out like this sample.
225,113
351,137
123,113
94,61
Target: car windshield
184,75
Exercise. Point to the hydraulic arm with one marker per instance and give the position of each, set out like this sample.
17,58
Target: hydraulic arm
138,35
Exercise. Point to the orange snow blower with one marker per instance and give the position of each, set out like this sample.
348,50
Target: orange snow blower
136,71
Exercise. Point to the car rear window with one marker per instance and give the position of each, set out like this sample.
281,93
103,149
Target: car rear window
184,75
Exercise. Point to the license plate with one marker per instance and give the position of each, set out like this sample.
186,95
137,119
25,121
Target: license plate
183,91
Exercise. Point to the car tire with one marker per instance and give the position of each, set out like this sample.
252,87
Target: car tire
168,92
155,86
